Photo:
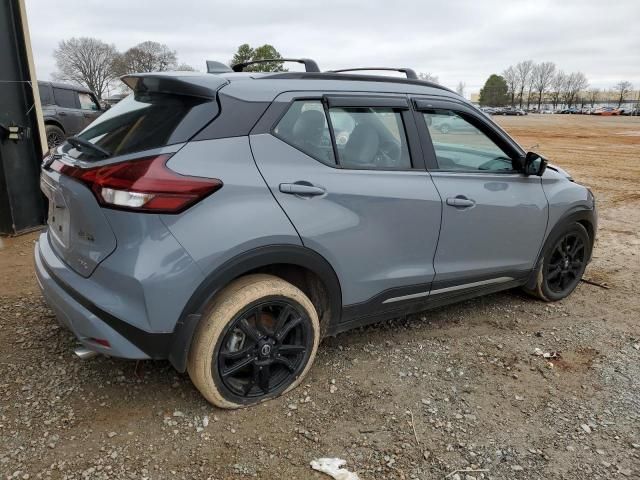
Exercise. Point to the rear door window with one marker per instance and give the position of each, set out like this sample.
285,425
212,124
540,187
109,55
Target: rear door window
144,121
65,98
361,137
370,137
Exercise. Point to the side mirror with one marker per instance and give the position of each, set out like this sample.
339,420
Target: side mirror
534,164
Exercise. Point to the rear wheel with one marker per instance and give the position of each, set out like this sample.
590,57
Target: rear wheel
55,136
257,340
564,261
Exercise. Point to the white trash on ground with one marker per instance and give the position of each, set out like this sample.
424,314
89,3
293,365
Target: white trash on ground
333,468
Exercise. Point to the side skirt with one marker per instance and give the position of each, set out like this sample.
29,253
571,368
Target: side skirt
389,307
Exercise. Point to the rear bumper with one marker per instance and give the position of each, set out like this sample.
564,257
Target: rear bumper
86,320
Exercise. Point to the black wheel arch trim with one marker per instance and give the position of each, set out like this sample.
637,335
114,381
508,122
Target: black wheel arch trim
238,266
577,214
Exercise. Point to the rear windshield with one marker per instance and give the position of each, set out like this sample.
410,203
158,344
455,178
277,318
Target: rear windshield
144,121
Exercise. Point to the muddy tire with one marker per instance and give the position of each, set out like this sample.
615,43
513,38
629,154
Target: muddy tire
257,340
564,260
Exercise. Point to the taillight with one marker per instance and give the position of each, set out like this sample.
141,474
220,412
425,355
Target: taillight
142,185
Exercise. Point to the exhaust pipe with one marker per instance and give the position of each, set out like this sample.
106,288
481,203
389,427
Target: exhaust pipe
84,353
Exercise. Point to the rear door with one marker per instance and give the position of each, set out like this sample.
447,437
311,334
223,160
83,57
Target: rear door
68,109
349,173
494,217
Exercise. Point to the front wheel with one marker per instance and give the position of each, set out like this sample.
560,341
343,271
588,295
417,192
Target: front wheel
564,261
257,341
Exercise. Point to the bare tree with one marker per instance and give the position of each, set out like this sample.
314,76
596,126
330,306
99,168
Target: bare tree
86,61
543,74
623,89
428,77
593,94
146,57
511,77
460,88
185,67
557,87
523,72
575,83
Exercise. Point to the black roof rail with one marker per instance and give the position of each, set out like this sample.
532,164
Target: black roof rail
409,72
347,77
309,65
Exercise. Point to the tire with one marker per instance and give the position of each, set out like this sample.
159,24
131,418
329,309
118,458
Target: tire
240,327
558,275
55,136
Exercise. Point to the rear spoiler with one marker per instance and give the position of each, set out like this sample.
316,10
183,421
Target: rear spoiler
193,85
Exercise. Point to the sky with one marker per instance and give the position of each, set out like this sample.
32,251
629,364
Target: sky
456,40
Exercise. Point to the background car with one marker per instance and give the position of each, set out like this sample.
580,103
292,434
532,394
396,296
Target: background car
606,111
512,111
67,110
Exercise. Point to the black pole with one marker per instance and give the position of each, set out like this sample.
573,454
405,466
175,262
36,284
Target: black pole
22,206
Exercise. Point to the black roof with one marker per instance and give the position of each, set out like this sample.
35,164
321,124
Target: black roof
66,86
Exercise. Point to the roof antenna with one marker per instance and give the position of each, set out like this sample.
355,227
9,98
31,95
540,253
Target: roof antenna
217,67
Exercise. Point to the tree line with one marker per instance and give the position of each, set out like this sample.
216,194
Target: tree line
95,64
528,83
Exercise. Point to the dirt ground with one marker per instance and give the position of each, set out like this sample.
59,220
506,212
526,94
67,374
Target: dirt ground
414,398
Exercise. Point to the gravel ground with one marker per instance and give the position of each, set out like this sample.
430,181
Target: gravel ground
457,389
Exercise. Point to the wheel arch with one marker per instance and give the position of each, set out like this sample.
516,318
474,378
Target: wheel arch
55,123
582,215
301,266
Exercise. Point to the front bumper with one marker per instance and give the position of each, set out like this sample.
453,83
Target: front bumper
77,313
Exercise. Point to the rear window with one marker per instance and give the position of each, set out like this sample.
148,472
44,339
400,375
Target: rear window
45,95
143,121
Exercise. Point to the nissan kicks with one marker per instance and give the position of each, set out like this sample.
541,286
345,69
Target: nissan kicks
229,221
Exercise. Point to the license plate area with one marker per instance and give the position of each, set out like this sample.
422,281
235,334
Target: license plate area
58,212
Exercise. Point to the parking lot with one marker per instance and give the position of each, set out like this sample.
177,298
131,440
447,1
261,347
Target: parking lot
456,389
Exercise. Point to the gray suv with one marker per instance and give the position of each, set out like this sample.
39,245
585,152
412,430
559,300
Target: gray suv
67,109
228,222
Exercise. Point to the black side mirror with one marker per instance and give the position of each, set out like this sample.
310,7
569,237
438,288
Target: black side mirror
534,164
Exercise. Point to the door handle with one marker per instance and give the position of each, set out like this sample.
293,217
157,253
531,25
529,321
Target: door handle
303,189
460,202
62,114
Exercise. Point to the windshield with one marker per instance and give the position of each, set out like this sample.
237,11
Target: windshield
143,121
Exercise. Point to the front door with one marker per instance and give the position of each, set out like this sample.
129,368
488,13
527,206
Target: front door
494,217
356,189
90,108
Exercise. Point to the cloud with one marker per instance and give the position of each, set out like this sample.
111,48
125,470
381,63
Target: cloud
458,40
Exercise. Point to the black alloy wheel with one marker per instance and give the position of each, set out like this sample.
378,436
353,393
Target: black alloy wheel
566,263
264,349
54,139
